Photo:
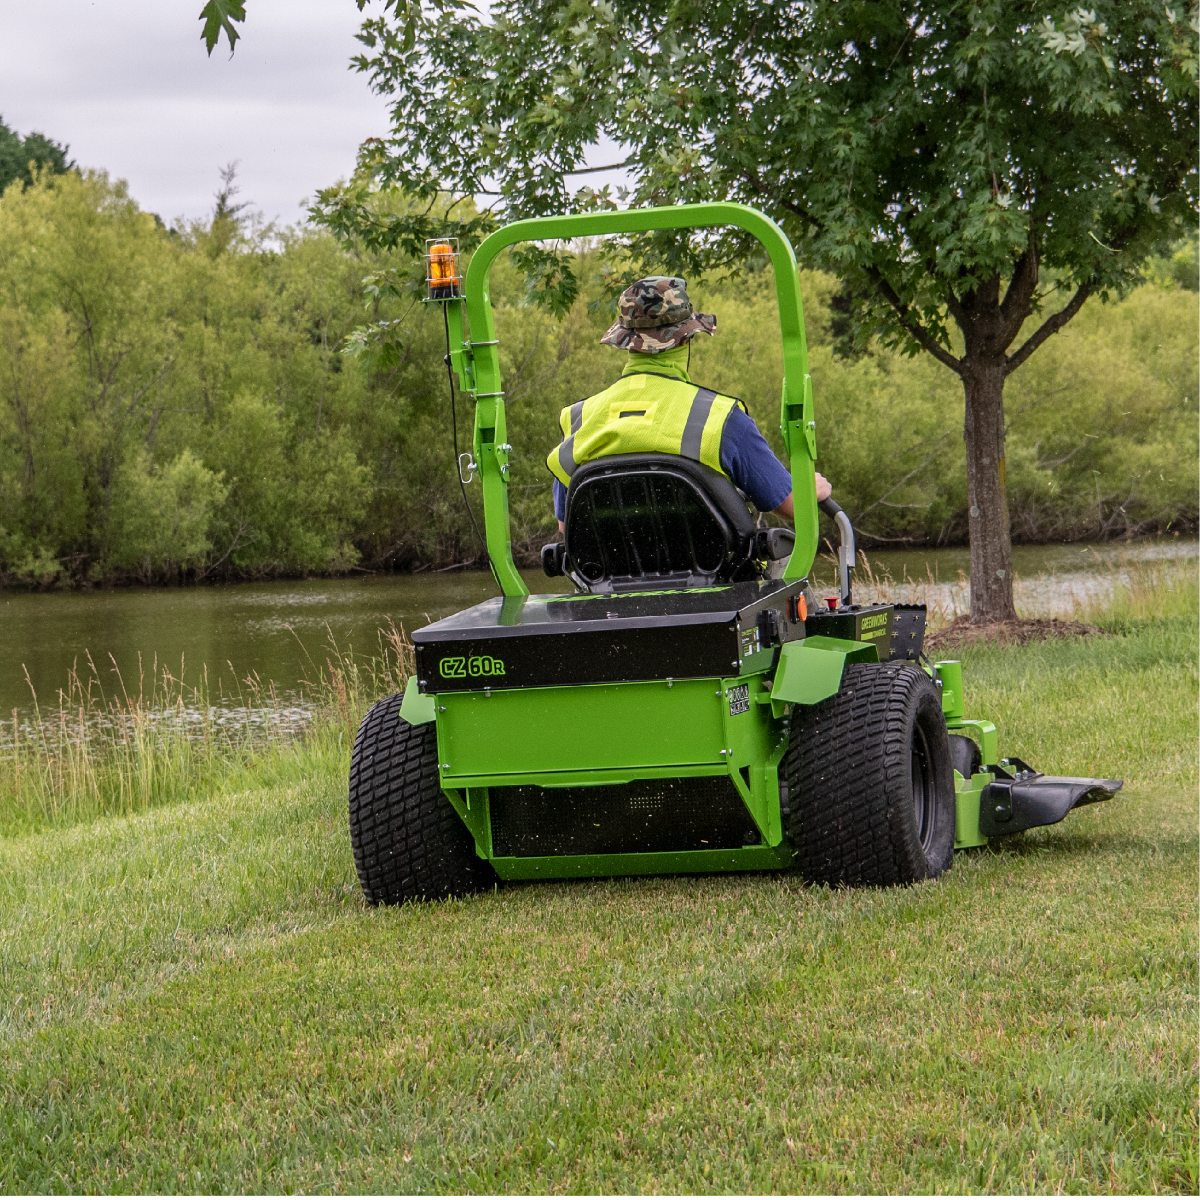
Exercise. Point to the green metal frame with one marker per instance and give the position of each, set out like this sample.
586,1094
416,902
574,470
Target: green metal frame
666,728
968,792
478,364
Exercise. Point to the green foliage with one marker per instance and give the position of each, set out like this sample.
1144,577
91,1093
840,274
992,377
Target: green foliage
913,150
21,157
199,403
953,163
1181,267
174,404
1102,433
161,519
219,17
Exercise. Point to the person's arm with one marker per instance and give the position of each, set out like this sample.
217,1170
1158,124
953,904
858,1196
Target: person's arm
788,509
751,464
560,503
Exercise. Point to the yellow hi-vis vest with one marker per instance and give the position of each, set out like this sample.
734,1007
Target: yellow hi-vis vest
642,414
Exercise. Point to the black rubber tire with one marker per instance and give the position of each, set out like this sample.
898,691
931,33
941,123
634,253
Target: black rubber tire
409,843
964,755
870,781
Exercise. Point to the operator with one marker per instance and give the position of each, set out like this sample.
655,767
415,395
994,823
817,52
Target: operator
655,408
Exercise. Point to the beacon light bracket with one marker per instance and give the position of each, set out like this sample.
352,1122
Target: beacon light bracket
443,276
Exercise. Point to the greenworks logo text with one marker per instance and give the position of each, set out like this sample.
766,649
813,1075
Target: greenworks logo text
478,665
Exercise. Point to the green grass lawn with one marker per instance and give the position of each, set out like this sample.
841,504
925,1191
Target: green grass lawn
195,998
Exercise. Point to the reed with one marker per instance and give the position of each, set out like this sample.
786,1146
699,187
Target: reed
1167,589
1124,590
131,745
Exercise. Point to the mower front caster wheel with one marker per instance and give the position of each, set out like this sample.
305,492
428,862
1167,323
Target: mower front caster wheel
871,780
409,843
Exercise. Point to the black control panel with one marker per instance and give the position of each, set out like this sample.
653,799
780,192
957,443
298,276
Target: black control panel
857,623
546,641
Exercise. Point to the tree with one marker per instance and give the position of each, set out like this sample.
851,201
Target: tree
17,154
227,214
972,170
173,404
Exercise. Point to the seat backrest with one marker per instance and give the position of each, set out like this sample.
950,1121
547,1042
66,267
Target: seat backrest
638,520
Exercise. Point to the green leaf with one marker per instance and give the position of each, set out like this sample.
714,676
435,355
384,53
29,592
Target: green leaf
218,15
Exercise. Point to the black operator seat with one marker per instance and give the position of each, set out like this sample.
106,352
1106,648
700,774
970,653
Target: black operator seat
658,520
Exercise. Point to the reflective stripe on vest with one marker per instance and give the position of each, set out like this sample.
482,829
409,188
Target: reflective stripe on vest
565,451
642,414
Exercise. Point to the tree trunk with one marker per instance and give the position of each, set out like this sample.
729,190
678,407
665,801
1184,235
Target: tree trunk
991,544
989,325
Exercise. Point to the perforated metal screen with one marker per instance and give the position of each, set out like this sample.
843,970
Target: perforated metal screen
704,813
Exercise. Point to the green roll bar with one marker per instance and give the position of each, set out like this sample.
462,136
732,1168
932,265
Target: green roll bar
478,364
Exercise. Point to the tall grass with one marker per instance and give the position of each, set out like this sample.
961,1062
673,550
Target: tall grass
1111,595
1153,591
161,739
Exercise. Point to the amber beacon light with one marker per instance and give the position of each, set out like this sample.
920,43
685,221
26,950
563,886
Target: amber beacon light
441,268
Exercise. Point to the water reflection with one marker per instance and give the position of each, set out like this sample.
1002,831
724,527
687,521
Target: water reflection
231,641
53,731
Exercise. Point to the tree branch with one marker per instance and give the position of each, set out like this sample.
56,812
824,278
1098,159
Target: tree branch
915,471
1017,299
237,538
915,330
752,178
1058,462
1050,326
592,170
876,537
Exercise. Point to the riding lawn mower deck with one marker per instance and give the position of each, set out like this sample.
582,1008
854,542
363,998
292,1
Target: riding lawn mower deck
686,709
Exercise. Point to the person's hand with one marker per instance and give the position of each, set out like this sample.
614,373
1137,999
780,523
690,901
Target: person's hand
824,488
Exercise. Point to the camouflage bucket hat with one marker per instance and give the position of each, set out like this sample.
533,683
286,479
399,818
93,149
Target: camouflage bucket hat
656,315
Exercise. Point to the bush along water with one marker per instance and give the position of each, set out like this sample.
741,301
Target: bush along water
191,403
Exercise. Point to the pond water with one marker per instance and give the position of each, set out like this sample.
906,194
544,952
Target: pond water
1048,581
278,632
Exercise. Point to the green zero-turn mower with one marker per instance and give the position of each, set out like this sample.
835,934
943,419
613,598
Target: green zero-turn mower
683,710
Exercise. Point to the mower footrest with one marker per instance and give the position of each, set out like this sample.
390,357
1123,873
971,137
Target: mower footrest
1012,805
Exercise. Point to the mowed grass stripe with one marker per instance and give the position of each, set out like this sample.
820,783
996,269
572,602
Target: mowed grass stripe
195,998
665,1035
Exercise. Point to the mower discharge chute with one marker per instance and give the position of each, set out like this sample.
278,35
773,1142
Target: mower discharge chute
682,710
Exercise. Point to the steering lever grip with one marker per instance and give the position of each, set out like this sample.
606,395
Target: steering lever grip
832,509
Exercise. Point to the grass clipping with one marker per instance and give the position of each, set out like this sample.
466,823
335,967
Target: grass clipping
1018,632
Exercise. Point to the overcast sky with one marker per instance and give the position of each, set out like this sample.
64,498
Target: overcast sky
127,84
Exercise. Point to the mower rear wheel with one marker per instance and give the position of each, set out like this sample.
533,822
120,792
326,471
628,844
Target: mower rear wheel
870,780
409,843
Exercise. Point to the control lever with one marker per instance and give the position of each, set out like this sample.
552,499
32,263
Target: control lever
834,511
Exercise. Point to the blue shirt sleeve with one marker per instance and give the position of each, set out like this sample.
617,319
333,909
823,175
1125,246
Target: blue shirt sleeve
560,500
751,463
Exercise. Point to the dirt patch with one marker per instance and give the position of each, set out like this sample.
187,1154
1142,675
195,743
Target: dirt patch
960,632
